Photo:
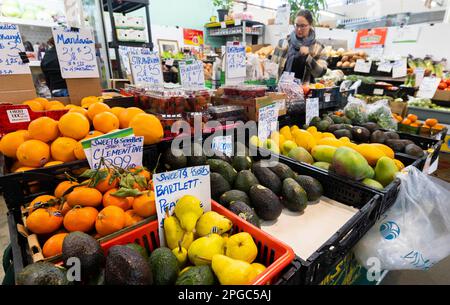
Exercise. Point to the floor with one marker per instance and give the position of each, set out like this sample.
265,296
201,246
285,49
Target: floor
438,275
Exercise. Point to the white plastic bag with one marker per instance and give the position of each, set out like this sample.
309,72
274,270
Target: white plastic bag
415,232
356,110
380,113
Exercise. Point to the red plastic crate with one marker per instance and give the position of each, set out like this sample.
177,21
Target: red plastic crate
272,253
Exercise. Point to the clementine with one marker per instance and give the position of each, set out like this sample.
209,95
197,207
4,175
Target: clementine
111,219
53,245
80,219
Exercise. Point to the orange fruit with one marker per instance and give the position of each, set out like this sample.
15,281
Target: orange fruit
131,218
141,171
406,122
438,127
15,166
24,169
117,111
65,208
44,129
88,100
33,153
74,125
105,122
62,149
122,202
55,105
111,219
80,219
63,187
11,141
34,105
53,245
127,115
97,108
53,163
148,126
84,196
431,122
412,117
144,205
79,110
104,185
44,221
43,102
40,200
79,151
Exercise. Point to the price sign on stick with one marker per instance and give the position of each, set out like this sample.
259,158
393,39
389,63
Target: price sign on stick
169,187
10,48
76,52
399,68
363,66
312,109
385,67
428,87
146,67
121,152
420,73
236,60
267,121
192,75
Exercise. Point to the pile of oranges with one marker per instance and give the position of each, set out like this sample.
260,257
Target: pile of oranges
412,120
48,142
110,200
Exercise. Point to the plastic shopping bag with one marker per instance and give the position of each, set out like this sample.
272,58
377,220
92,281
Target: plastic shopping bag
415,232
356,110
380,113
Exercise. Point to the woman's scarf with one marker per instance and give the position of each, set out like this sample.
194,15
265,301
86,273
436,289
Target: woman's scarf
295,44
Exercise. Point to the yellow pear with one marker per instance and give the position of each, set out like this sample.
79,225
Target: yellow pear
188,238
241,246
181,255
212,219
188,210
204,248
232,271
172,231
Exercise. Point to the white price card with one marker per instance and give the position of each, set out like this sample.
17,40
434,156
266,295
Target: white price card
169,62
267,121
18,115
420,74
378,91
237,22
76,52
10,46
223,144
399,68
312,109
236,60
327,97
146,67
363,66
121,152
169,187
223,25
385,66
428,87
192,75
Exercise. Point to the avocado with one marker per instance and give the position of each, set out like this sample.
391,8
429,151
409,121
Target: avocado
335,127
392,135
87,250
361,134
347,120
245,212
371,126
219,185
312,186
141,250
164,266
197,275
225,169
242,163
99,279
349,127
197,156
337,119
322,165
233,195
42,273
328,119
343,133
295,198
245,180
323,125
396,145
267,178
414,150
220,156
267,205
378,136
174,159
282,171
314,121
125,266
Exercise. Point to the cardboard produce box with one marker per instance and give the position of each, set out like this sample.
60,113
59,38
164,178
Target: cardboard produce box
251,105
400,108
16,89
442,95
280,99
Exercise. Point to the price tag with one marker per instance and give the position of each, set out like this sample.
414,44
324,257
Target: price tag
312,109
223,144
345,86
74,13
267,121
146,67
18,115
385,67
428,87
327,97
378,91
169,62
192,75
237,22
356,85
420,73
399,69
363,66
169,187
223,25
10,47
236,61
76,53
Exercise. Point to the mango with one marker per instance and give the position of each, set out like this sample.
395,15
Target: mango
385,149
278,138
323,153
351,145
330,142
372,183
328,135
385,171
349,163
371,153
399,164
370,173
322,165
301,154
286,133
304,139
344,139
311,129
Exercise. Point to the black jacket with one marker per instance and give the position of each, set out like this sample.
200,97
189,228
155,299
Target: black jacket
52,71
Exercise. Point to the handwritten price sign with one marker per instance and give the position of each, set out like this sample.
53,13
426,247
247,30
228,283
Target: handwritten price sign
76,53
268,121
236,61
146,67
10,46
192,75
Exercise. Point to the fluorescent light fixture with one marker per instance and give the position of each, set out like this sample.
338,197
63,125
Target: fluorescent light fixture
327,14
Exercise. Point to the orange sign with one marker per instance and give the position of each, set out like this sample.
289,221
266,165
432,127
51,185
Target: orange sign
193,37
371,38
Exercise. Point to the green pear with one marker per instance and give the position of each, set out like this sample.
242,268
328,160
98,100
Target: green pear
204,248
288,146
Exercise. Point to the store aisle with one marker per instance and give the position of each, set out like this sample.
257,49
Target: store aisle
4,234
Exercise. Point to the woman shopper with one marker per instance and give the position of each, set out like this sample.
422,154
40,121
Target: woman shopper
300,52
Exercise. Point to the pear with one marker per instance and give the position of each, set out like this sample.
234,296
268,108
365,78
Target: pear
188,210
204,248
188,238
181,255
172,231
231,271
241,246
212,219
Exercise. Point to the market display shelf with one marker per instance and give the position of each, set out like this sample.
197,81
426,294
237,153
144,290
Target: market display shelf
234,34
424,113
28,22
232,23
125,7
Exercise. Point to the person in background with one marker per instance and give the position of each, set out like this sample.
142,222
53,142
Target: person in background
50,68
300,52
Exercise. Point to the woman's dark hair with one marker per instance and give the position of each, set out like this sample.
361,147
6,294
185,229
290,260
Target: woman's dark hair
307,15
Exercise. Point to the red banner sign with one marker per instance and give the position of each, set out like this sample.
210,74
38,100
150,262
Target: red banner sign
193,37
371,38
